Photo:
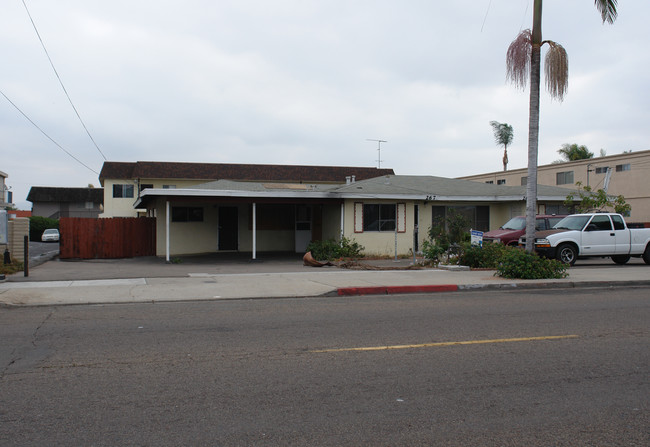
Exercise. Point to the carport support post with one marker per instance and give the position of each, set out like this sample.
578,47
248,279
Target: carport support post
167,231
342,220
254,231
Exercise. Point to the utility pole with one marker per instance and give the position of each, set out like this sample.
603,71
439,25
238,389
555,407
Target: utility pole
378,150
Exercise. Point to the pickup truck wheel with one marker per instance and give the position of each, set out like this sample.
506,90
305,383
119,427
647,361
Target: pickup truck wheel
621,259
567,254
646,255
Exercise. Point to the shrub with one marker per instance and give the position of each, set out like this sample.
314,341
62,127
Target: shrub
38,224
433,251
329,250
519,264
489,256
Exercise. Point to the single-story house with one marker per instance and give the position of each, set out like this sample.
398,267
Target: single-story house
387,214
57,202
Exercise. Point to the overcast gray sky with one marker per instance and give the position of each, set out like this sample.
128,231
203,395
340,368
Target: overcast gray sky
306,82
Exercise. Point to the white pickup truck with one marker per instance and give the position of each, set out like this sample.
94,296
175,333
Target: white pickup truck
593,234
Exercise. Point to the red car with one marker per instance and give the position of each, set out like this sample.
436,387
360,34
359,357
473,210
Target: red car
512,230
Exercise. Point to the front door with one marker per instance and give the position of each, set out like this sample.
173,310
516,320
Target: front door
228,228
303,227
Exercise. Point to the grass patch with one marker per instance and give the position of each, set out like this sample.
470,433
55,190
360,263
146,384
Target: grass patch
10,269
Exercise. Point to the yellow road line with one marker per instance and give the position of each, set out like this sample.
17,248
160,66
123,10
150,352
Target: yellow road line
448,343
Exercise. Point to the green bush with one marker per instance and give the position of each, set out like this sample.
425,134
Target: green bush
329,250
488,257
432,250
38,224
519,264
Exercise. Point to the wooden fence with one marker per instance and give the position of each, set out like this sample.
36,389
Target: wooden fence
118,237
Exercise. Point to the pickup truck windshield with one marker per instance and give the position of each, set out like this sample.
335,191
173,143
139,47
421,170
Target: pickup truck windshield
516,223
572,223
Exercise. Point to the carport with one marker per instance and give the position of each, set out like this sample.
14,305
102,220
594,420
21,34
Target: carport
226,216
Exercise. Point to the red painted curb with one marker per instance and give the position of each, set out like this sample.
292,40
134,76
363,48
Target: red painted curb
387,290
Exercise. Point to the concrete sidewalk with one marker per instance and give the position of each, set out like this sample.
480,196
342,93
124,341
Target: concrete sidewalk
152,280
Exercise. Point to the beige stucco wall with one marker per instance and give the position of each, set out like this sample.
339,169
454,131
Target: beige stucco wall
186,237
382,243
202,237
123,207
119,207
632,184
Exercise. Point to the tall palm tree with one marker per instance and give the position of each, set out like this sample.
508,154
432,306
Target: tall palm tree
523,62
503,136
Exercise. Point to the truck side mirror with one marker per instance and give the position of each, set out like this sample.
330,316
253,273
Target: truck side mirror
591,227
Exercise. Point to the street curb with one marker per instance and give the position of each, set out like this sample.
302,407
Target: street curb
392,290
389,290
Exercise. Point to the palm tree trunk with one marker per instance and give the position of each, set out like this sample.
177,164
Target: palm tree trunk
533,127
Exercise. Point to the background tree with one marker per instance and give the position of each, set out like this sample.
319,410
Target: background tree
503,135
523,62
572,152
592,201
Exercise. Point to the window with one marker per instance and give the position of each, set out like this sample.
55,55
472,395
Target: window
621,168
524,181
187,214
490,182
501,181
558,209
564,178
602,223
378,217
477,217
602,170
618,223
121,191
169,186
144,186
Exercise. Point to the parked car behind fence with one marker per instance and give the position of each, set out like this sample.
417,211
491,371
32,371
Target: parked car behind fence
50,235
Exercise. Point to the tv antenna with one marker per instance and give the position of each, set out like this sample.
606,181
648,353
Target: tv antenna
378,150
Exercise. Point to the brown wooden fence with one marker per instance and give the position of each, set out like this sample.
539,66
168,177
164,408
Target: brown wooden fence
117,237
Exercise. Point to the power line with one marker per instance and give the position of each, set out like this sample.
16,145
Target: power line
486,14
48,137
61,82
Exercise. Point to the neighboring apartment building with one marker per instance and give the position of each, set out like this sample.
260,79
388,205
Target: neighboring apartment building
57,202
629,175
5,194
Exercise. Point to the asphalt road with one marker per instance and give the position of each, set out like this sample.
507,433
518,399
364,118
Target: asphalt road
38,249
546,368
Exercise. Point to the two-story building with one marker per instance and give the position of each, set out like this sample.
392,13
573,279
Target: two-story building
624,174
56,202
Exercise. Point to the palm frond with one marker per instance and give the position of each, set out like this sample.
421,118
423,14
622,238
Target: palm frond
607,9
556,70
518,59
